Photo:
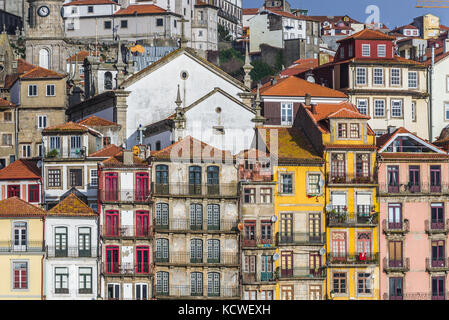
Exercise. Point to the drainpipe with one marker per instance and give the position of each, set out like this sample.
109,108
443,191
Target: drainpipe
99,188
431,95
43,297
16,131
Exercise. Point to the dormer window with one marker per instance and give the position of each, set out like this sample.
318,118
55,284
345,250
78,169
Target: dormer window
381,50
366,50
355,130
342,130
350,51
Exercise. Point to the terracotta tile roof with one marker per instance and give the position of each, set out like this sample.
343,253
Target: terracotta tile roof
292,144
439,55
21,169
29,71
296,87
408,26
189,144
80,56
6,104
345,113
250,11
97,122
368,34
251,154
140,9
299,66
413,155
335,19
88,2
117,161
106,152
351,146
443,27
287,14
69,126
72,206
17,207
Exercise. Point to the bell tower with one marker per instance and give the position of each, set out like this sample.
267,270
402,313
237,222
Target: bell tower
44,35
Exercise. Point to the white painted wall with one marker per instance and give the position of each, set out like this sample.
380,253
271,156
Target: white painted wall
440,95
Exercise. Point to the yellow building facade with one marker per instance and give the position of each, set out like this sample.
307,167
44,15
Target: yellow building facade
299,225
21,250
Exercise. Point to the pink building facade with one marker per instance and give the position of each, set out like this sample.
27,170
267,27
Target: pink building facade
413,180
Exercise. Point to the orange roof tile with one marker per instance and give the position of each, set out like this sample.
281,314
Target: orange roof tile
80,56
88,2
299,66
21,169
117,161
69,126
72,206
98,122
17,207
29,71
368,34
348,114
250,11
140,9
296,87
106,152
6,104
24,66
191,145
292,144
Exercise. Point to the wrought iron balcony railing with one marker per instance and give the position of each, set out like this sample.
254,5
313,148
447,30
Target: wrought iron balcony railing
258,242
391,228
185,258
183,225
254,278
71,252
437,265
301,272
350,179
347,258
27,246
339,216
417,296
437,226
113,231
124,196
118,269
57,154
187,292
195,190
420,188
396,265
300,238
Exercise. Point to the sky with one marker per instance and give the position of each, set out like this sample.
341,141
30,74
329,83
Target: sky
393,13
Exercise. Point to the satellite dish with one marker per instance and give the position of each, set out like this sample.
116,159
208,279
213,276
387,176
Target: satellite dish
274,218
39,164
322,251
275,256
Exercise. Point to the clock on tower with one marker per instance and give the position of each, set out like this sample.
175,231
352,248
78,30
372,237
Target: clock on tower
44,35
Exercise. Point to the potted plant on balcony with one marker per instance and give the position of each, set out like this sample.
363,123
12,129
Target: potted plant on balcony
337,215
53,153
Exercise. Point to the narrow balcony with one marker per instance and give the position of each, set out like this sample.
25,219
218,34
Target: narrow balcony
188,292
258,242
124,196
417,296
127,232
221,190
437,226
185,258
127,269
71,252
420,188
258,278
354,259
301,238
350,179
399,265
72,154
186,225
365,215
255,175
395,228
302,273
22,246
437,265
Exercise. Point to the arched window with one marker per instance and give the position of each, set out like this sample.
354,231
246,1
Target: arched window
44,58
162,215
213,217
108,81
196,284
162,283
195,180
196,216
162,250
213,284
213,251
196,251
212,180
61,242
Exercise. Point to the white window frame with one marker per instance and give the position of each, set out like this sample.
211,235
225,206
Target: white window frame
412,81
288,107
413,110
365,106
143,287
395,80
366,50
376,109
394,108
42,121
26,149
49,86
378,73
93,178
359,76
446,110
382,50
32,87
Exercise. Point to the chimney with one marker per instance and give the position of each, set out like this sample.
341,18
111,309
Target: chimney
390,129
313,108
128,157
307,99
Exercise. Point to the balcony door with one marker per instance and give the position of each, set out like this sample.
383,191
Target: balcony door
395,254
194,180
212,180
112,223
111,186
338,245
438,288
196,216
314,227
142,223
286,263
196,284
394,216
112,259
162,179
61,242
213,284
437,216
142,186
414,184
20,236
142,259
438,256
213,217
162,250
314,263
395,288
196,251
393,179
363,245
435,178
84,242
286,227
267,268
162,215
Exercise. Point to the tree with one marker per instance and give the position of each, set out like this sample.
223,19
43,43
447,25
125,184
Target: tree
261,70
223,34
